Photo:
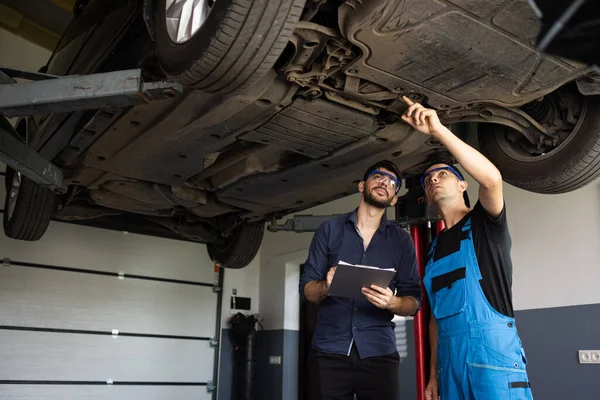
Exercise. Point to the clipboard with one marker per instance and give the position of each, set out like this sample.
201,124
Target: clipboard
349,279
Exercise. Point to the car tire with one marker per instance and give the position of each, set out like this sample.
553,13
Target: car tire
240,248
570,166
235,46
29,216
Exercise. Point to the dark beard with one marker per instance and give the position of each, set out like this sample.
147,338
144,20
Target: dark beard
373,201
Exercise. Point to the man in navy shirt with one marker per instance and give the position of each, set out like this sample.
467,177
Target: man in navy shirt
354,344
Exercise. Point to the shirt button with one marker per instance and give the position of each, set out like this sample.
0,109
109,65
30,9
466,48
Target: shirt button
510,324
353,327
356,309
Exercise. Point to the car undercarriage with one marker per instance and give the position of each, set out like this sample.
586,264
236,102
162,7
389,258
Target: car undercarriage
204,163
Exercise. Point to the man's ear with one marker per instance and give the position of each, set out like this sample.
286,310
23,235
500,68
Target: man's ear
463,186
394,201
361,186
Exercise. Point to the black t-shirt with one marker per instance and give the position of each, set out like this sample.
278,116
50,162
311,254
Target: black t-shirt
492,242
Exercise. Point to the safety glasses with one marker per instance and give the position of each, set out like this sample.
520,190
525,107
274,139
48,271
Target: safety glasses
447,168
389,179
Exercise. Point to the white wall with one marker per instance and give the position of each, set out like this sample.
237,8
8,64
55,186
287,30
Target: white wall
246,281
17,52
45,298
279,279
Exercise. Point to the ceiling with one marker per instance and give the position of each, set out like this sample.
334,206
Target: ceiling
39,21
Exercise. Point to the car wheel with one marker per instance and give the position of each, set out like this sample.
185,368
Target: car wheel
222,45
571,165
240,248
27,207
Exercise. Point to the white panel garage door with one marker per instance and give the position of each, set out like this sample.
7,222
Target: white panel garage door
86,306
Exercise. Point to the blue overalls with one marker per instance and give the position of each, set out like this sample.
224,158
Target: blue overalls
480,355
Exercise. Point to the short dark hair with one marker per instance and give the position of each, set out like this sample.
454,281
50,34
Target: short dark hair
390,166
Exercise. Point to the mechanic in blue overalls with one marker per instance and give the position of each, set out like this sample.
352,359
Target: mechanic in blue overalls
476,352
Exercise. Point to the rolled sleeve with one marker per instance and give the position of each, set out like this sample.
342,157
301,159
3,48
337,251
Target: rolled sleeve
315,267
408,281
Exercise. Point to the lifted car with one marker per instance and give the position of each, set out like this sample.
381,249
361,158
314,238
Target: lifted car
286,102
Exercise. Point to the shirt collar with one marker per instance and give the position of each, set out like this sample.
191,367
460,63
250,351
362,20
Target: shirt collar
385,222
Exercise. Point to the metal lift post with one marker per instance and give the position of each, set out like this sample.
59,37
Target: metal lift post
46,94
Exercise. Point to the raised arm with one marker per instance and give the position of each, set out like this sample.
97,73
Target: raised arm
426,121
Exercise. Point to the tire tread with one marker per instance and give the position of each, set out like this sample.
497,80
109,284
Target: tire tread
32,213
248,41
241,249
572,168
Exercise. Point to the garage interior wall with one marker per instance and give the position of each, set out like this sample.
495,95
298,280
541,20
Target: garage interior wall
20,53
105,314
556,261
69,301
556,273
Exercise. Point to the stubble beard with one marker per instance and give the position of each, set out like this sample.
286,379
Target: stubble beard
375,202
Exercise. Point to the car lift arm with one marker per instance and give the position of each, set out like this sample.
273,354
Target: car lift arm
22,158
410,210
49,93
300,223
74,93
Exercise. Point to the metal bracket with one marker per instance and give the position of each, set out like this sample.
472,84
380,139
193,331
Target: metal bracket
300,223
85,92
6,262
210,387
25,160
213,342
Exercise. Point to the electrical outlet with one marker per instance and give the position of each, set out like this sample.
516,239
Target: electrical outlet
274,359
589,356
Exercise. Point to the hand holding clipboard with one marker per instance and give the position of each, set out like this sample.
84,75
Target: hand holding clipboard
348,280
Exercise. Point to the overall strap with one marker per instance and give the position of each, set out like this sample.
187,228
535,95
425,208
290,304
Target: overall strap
467,238
466,230
432,248
467,225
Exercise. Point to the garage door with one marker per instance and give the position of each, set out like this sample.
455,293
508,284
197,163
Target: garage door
87,313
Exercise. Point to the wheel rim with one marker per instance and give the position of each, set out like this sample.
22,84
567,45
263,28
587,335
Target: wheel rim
14,194
185,17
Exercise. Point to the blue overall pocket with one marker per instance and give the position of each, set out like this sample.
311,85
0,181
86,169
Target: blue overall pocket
498,366
449,293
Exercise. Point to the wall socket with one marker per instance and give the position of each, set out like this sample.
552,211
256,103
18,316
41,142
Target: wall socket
275,360
589,356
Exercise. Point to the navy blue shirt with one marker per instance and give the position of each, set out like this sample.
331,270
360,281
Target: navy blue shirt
343,321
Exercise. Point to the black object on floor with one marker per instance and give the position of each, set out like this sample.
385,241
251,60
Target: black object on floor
242,330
